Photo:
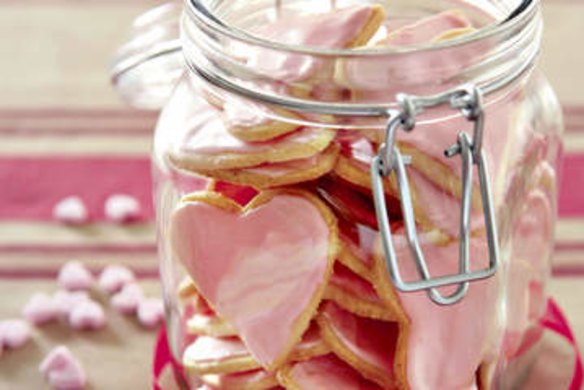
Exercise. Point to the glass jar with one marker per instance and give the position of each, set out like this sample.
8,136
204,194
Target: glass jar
300,131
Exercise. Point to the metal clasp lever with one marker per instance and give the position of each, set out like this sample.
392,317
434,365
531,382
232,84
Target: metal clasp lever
468,100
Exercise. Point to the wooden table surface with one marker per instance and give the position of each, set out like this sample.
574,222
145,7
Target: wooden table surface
57,107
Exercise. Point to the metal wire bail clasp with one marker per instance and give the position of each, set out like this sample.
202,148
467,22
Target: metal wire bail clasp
468,100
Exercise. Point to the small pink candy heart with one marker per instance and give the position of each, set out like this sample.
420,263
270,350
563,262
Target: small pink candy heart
114,277
150,312
75,276
62,370
262,268
71,210
127,300
14,333
40,309
87,315
122,208
65,301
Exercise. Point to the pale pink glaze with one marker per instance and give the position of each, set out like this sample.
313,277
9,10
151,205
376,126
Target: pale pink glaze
211,350
240,380
426,29
385,75
62,370
531,236
372,341
440,208
209,136
352,205
332,30
328,372
284,168
353,284
446,344
261,270
360,242
240,113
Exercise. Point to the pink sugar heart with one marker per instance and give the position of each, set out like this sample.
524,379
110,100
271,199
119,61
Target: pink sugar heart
150,312
122,208
14,333
263,268
114,277
40,309
87,315
65,301
127,300
75,276
71,210
62,370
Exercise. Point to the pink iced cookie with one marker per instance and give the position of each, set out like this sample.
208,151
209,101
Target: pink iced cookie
122,208
71,210
62,370
342,28
115,277
75,276
14,333
323,373
65,301
127,300
445,344
40,309
150,312
366,344
87,315
288,237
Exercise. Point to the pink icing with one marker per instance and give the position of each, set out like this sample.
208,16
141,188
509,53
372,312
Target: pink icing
75,276
527,267
332,30
441,209
446,344
380,78
360,241
352,283
426,29
236,261
328,372
240,113
208,135
284,168
207,349
352,205
373,342
243,380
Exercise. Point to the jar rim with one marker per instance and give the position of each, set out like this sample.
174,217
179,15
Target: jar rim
521,14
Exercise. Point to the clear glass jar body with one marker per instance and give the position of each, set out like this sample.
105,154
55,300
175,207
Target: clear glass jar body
271,261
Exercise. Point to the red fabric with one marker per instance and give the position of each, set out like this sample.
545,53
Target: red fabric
553,321
163,357
556,322
570,204
32,186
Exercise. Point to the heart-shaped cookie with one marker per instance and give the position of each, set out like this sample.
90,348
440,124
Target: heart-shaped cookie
356,295
367,345
323,372
263,268
247,380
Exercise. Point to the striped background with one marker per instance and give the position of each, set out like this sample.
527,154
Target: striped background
63,131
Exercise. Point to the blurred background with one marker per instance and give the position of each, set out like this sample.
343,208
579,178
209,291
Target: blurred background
64,131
